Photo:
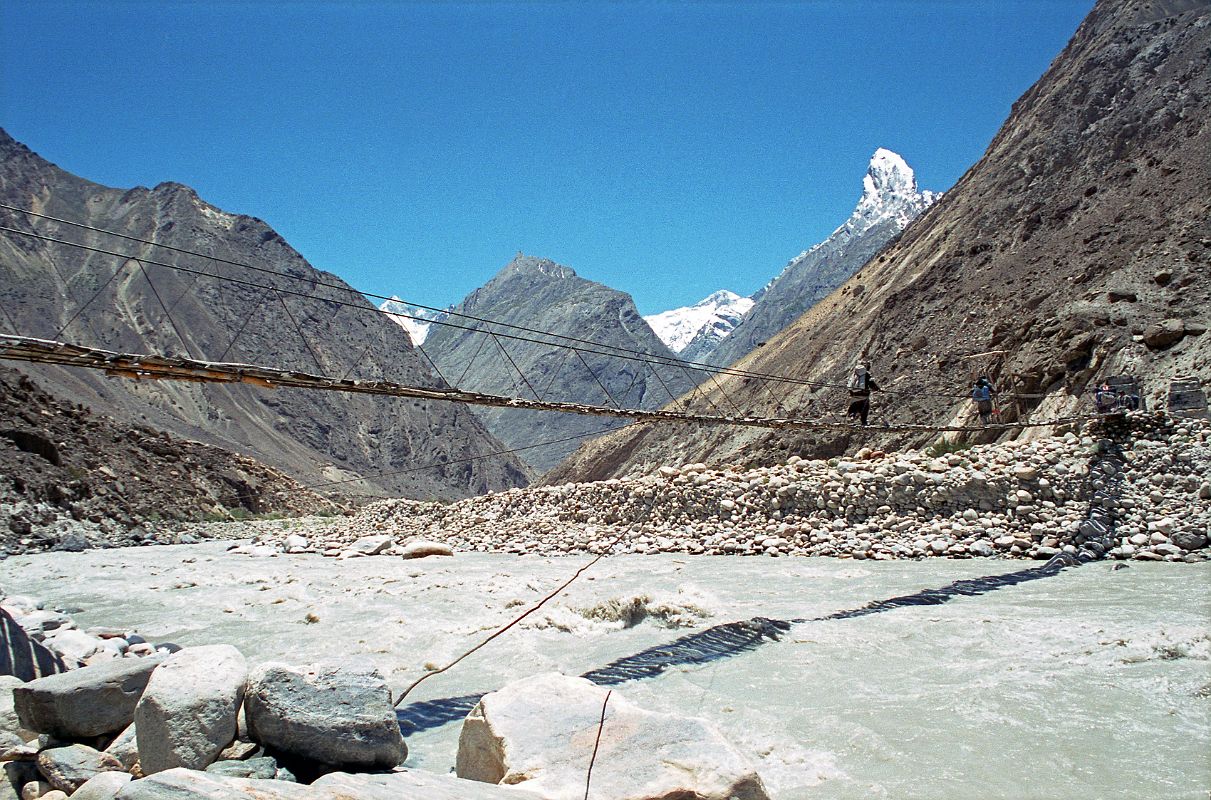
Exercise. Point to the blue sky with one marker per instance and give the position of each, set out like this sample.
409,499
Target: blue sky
666,149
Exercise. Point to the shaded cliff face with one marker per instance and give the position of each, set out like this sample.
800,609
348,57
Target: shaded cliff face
1077,247
890,200
312,436
71,479
546,296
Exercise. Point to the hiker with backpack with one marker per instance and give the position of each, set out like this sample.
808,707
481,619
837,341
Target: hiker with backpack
983,393
861,384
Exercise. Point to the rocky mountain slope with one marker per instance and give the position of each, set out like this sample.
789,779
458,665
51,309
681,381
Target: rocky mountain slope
71,479
50,290
890,200
1077,247
542,295
701,325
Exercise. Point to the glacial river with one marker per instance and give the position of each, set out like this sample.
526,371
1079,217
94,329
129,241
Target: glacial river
1090,683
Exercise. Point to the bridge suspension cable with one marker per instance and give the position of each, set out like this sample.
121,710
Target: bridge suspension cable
157,367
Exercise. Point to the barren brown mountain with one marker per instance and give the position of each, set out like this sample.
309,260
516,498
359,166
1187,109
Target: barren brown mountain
542,295
1077,247
298,318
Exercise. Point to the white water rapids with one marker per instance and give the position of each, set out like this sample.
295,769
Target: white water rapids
1094,682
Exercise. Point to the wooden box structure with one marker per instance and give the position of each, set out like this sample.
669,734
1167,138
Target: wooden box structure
1187,398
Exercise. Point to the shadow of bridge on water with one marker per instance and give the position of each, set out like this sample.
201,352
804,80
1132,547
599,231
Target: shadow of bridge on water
727,640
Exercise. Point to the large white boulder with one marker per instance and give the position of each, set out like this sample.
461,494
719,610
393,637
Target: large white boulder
539,733
422,548
187,714
183,784
414,785
335,715
103,786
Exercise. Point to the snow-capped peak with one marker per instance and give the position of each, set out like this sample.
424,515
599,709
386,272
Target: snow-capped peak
414,320
889,192
888,174
889,189
720,299
721,311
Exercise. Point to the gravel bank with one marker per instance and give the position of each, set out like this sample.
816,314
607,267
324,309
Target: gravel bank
1012,500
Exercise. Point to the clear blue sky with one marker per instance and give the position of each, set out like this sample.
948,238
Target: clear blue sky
666,149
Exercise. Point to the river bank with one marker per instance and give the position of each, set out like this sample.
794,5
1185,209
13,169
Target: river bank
1019,499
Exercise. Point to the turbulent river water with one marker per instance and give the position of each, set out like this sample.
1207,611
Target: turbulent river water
1092,682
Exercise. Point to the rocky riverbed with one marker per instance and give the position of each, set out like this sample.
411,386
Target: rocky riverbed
1021,499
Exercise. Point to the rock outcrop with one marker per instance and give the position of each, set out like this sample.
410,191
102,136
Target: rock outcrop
85,702
340,717
187,713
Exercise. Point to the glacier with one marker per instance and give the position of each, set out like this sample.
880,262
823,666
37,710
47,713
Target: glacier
413,319
718,313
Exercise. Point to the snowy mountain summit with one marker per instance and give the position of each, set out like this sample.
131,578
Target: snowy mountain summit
889,191
890,201
715,315
414,320
704,331
889,195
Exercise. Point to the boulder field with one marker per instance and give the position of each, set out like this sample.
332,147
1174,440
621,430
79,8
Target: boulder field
199,717
199,725
1018,499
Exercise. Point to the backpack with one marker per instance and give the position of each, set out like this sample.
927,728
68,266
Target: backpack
857,382
981,392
